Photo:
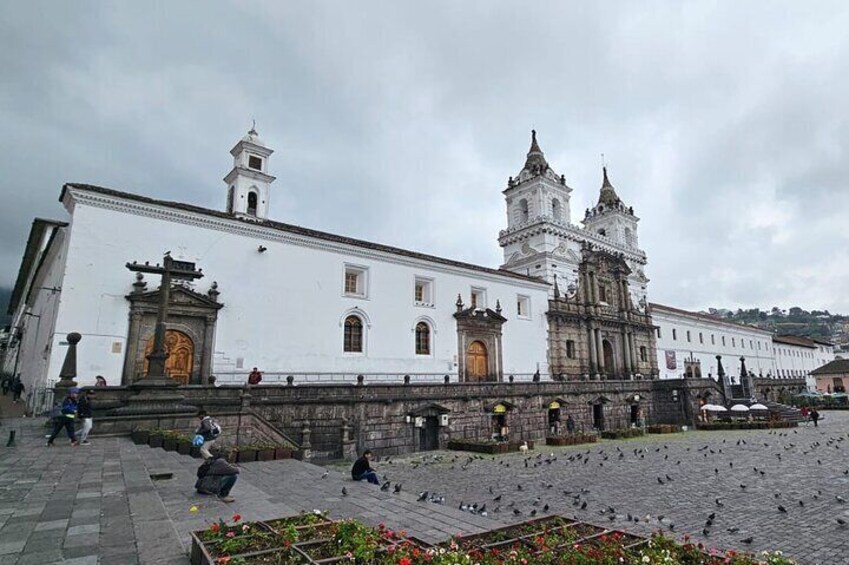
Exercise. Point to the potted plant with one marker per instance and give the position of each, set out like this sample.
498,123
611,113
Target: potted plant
282,452
155,438
140,436
170,439
264,452
184,445
246,454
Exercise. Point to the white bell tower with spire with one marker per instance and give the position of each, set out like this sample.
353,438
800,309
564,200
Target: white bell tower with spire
248,183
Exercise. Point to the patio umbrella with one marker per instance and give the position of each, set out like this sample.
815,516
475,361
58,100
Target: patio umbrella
739,408
758,407
716,408
807,394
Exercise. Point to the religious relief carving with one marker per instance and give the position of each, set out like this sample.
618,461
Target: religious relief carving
527,249
180,350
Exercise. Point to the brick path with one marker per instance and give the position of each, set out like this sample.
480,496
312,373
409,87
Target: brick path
97,504
812,461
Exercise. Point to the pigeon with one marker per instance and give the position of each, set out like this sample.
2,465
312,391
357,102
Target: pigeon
326,473
584,505
422,496
782,509
397,488
733,530
516,511
838,498
497,498
841,521
719,503
749,539
385,486
344,491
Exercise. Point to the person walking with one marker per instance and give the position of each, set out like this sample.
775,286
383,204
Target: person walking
570,424
66,418
99,381
217,476
84,414
209,430
18,389
6,384
815,417
362,469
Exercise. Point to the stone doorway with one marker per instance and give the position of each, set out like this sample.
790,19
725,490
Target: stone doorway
181,351
477,362
429,434
609,359
598,416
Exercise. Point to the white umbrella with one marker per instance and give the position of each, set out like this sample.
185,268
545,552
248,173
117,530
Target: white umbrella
758,407
715,408
739,408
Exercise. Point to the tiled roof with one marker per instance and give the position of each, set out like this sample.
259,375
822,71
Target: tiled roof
796,340
298,230
706,317
836,367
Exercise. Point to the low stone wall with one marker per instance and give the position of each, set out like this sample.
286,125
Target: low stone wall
336,421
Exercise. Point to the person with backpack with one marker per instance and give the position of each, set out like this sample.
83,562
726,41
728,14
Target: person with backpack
66,418
217,476
84,413
208,430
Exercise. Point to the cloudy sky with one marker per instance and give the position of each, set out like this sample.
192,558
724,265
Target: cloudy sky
723,123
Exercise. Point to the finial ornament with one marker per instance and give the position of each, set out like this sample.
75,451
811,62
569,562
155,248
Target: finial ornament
253,128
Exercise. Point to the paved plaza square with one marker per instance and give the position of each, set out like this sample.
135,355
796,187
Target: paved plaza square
100,504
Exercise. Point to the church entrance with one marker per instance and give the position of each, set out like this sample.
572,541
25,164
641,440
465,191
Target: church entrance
477,362
609,363
598,416
181,351
429,434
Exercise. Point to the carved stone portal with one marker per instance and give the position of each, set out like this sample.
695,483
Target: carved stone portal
479,345
190,334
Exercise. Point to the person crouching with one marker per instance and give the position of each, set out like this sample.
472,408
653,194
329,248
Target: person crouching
217,476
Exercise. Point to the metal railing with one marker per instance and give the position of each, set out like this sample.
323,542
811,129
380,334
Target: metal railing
281,378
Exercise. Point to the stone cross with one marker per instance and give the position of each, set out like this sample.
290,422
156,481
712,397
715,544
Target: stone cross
170,269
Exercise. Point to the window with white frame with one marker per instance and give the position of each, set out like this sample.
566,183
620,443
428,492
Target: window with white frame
422,339
423,292
523,306
353,338
356,281
478,297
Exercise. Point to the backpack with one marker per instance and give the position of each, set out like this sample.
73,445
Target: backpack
214,429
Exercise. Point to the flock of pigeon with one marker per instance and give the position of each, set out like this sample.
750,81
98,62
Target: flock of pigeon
519,486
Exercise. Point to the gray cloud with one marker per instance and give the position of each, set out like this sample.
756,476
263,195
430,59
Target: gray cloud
400,122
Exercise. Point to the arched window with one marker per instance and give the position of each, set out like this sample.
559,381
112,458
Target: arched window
422,339
555,209
523,210
629,237
252,203
230,200
353,335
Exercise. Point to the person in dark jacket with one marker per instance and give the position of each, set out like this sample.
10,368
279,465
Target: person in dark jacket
217,476
18,389
66,418
84,414
209,430
362,469
815,417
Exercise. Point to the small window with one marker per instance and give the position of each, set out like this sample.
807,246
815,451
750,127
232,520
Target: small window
603,293
659,335
643,354
733,342
570,349
555,209
751,345
478,298
353,342
523,306
674,335
522,210
423,292
712,339
701,338
688,336
355,281
252,203
723,341
422,339
255,163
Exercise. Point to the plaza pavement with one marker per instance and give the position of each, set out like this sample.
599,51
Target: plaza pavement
100,504
803,470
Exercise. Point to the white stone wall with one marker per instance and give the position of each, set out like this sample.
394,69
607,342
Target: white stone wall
284,308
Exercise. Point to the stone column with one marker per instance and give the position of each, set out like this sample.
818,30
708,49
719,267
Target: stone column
69,368
208,349
626,351
633,347
132,347
592,350
599,351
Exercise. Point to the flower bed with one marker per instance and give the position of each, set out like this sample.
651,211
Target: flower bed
663,429
489,446
552,540
574,439
622,434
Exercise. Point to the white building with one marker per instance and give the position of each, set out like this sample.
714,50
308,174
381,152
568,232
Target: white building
688,343
283,298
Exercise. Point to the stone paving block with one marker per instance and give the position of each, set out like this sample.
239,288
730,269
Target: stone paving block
84,529
40,558
81,540
9,547
86,560
51,525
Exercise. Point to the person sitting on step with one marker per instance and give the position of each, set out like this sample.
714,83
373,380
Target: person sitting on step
362,469
217,476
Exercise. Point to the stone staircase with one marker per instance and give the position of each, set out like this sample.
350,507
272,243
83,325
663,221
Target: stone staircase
787,413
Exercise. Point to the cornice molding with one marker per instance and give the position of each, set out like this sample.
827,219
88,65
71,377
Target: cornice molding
259,231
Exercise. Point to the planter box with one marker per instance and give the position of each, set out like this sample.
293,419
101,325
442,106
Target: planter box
663,429
246,455
622,434
282,453
155,441
140,437
492,448
571,440
265,455
169,444
184,448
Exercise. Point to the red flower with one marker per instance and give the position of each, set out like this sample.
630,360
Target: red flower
404,561
214,528
237,517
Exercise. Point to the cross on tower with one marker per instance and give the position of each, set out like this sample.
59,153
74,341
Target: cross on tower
170,269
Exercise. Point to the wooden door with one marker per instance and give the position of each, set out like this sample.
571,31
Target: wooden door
181,351
476,362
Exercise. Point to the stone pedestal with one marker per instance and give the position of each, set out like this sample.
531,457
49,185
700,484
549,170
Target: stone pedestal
69,368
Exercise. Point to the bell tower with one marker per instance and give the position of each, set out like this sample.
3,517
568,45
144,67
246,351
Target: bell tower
248,183
538,220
